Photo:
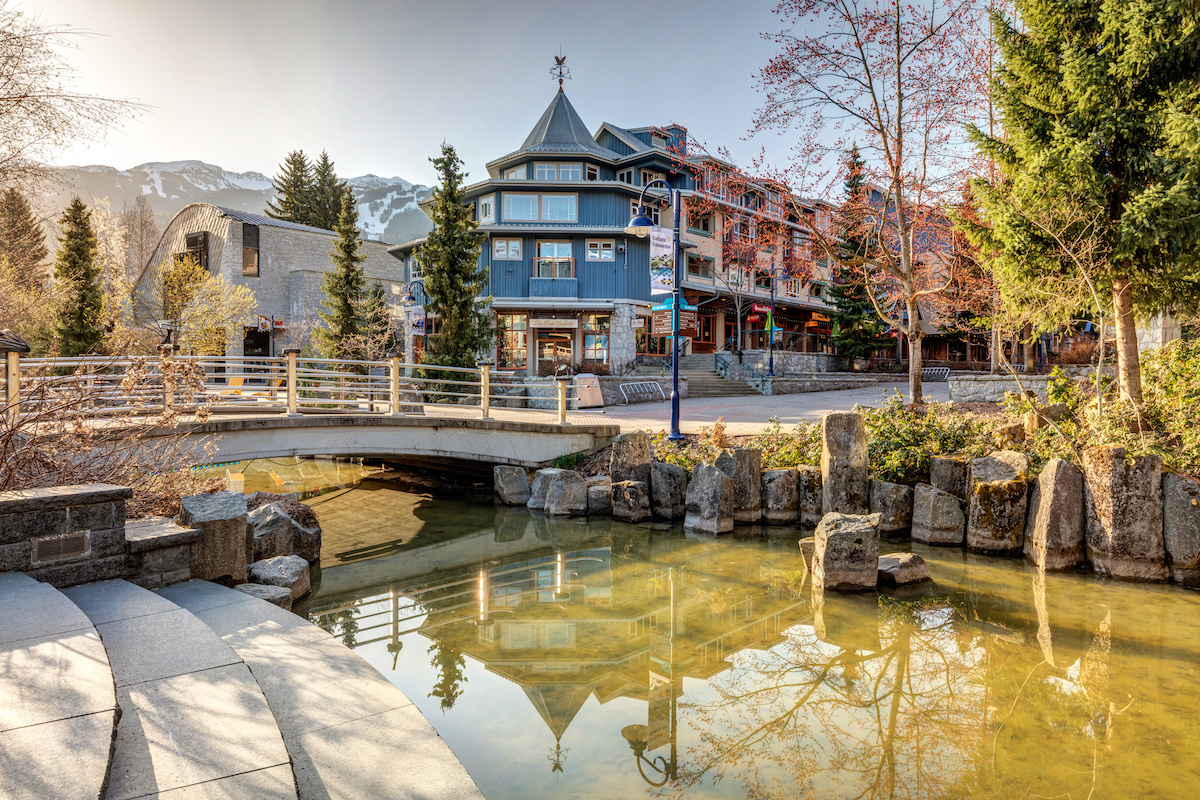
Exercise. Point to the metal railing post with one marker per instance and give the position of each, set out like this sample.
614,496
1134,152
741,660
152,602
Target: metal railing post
168,373
292,389
394,383
562,399
485,388
12,386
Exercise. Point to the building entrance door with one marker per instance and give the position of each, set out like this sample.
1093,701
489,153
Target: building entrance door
552,347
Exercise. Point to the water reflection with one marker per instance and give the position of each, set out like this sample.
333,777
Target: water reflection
727,676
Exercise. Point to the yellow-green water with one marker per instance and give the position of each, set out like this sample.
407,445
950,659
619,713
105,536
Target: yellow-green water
550,653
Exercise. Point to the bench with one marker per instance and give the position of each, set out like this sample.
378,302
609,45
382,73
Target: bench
641,387
935,373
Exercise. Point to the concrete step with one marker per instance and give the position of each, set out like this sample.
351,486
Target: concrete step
194,721
58,706
350,733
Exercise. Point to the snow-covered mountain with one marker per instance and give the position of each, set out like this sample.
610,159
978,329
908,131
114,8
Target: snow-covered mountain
387,207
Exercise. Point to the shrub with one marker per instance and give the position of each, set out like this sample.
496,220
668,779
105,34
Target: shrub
782,449
902,438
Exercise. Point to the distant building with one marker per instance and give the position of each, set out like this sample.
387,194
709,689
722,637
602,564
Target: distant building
570,287
281,262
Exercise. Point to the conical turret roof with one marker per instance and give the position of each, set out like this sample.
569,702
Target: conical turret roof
560,130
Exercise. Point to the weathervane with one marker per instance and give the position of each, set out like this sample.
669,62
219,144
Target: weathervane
560,70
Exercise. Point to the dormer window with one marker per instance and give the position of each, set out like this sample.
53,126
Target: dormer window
593,172
625,176
650,175
515,174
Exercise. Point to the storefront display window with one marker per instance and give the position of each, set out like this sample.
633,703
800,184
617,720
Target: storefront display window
511,341
595,338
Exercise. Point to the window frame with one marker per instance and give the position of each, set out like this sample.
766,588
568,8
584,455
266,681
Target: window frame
653,210
488,218
626,176
572,165
591,172
246,249
647,175
538,166
508,243
569,260
574,200
523,169
537,205
708,260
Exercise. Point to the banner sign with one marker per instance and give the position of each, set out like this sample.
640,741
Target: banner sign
662,249
416,320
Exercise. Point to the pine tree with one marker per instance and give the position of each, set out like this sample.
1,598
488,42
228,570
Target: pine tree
1099,102
325,203
293,190
77,326
345,289
454,281
857,329
22,240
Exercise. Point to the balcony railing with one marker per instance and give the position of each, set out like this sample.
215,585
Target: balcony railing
556,268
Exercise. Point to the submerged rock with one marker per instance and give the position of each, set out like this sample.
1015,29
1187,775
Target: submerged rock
902,569
894,504
937,516
1124,513
566,495
844,463
780,496
808,488
998,495
511,485
1054,526
846,556
709,500
599,497
668,491
630,501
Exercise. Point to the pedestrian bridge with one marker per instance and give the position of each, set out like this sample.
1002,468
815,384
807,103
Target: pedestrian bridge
493,441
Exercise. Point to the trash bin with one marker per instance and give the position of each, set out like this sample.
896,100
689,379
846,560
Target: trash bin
590,395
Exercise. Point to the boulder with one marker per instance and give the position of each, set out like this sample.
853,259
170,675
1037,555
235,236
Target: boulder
780,496
278,595
937,516
630,458
1011,434
511,485
807,548
808,489
997,500
537,492
1054,525
291,572
744,465
1123,510
902,569
894,504
846,555
1035,420
668,491
709,504
566,496
277,534
844,463
599,496
630,501
949,473
1181,528
226,538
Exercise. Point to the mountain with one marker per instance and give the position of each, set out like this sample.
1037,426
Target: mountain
387,207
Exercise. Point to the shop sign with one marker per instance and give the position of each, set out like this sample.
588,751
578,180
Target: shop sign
757,308
753,318
540,322
638,322
689,323
820,317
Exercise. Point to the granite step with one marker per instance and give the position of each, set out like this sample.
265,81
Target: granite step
58,704
194,721
350,733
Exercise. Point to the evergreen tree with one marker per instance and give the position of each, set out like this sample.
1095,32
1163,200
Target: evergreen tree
22,240
325,191
454,281
77,276
293,200
857,329
345,289
1098,102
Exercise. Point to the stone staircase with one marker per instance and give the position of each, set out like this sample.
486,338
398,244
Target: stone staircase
705,381
110,690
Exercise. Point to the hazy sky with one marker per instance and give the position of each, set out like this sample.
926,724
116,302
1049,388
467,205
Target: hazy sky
380,84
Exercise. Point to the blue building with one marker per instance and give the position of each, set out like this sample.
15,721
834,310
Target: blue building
568,285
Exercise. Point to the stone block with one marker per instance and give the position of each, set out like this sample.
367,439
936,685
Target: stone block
166,559
808,489
709,500
290,572
807,547
668,491
107,542
566,496
1002,465
949,473
86,571
893,502
937,516
599,499
902,569
744,465
630,501
537,492
276,533
96,516
511,485
1011,434
157,580
1054,525
1123,510
996,516
844,463
15,557
225,537
1181,528
780,496
23,500
630,458
277,595
22,526
846,555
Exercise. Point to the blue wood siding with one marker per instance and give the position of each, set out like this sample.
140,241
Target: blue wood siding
604,208
613,143
554,287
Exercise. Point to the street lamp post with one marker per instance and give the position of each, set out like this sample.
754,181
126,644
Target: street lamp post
640,226
410,299
771,332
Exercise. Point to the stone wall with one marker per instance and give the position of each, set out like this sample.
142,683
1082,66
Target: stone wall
787,364
814,384
610,387
991,388
622,336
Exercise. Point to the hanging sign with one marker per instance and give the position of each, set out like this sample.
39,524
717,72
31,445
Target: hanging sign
760,309
416,320
638,322
662,249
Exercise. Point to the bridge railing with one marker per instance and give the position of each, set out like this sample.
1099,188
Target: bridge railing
98,386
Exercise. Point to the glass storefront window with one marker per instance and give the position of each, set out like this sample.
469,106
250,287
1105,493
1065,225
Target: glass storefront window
595,338
653,345
511,341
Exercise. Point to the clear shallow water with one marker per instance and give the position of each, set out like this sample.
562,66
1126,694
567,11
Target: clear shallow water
549,653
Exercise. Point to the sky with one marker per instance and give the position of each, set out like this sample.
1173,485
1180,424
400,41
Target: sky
381,85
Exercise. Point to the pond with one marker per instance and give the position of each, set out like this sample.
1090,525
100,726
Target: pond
593,659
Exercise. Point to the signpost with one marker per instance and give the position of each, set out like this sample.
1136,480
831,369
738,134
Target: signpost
689,320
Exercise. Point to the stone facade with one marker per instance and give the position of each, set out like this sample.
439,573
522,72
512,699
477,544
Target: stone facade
787,364
992,388
622,338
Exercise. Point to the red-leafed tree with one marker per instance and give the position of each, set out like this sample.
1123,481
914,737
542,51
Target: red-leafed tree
889,75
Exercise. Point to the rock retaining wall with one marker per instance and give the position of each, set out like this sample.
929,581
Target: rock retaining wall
972,388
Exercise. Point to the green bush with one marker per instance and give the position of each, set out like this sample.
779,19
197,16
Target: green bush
782,449
901,439
1171,392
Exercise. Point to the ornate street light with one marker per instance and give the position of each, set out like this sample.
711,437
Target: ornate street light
640,226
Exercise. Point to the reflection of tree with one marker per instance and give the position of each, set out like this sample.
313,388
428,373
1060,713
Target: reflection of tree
343,623
449,663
